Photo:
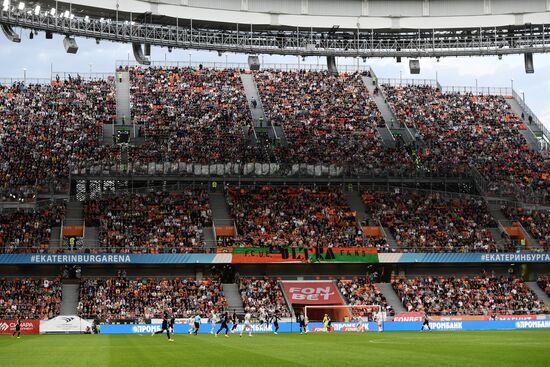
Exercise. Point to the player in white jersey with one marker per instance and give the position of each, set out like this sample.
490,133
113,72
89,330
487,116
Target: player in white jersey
360,324
214,319
379,318
247,324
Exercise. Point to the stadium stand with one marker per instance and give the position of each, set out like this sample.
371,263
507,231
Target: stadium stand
478,295
29,231
30,298
263,295
158,222
537,222
544,283
362,291
47,131
423,222
125,298
292,217
479,131
327,119
191,115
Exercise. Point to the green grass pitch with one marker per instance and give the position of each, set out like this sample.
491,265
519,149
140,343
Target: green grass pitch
438,348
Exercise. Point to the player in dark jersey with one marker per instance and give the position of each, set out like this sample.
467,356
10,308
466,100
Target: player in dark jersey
172,323
225,321
275,320
235,322
17,328
426,322
302,322
165,327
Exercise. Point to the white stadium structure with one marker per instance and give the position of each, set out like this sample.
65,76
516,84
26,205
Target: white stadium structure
333,28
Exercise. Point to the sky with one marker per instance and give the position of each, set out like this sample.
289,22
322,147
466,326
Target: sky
40,56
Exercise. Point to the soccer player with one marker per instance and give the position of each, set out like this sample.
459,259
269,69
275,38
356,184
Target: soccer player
379,320
275,319
360,324
225,321
247,324
196,324
17,328
302,322
172,323
165,327
214,318
426,322
235,322
326,323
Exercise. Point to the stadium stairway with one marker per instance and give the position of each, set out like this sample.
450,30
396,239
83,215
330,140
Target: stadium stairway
220,214
393,300
69,299
122,88
390,239
531,130
209,239
91,237
261,125
233,298
387,115
55,239
539,292
356,204
75,210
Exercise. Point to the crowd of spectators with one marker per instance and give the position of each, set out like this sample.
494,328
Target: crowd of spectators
536,222
544,283
263,296
361,291
29,231
478,295
191,115
466,130
433,223
270,216
144,298
157,222
46,131
29,298
327,119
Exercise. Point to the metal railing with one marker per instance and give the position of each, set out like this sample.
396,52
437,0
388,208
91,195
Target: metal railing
26,81
65,75
394,82
349,68
256,39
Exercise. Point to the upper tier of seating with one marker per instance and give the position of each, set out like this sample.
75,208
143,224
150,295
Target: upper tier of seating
191,115
327,118
433,223
292,217
150,223
124,298
48,130
479,295
29,298
461,130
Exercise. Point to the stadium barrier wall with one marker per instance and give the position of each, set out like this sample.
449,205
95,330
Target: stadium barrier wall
262,255
286,327
7,327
